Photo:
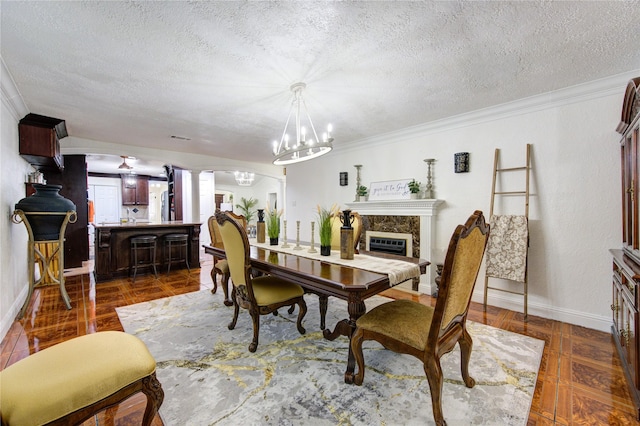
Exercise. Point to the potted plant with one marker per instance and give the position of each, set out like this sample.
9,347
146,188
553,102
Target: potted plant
324,227
414,188
246,207
273,225
362,192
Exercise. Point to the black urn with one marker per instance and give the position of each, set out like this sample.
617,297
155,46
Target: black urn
46,199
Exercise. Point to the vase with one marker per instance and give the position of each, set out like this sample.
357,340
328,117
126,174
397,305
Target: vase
46,199
273,241
325,250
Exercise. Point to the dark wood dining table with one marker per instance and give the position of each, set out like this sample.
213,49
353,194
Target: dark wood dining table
329,279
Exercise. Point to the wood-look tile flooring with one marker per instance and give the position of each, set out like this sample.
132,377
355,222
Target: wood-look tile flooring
580,381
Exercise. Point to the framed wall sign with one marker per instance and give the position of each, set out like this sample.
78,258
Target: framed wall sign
390,190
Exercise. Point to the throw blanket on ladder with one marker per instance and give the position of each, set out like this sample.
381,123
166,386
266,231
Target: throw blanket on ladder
507,247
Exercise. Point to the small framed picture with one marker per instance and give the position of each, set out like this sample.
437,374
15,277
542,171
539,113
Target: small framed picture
344,178
461,162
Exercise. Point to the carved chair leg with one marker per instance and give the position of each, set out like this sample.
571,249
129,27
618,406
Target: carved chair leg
255,317
434,375
324,303
215,282
466,345
236,311
226,280
301,314
356,349
155,395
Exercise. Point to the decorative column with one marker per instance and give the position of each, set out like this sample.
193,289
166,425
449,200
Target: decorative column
358,167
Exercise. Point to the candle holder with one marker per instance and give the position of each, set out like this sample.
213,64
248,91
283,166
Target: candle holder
428,192
297,247
284,236
312,248
358,167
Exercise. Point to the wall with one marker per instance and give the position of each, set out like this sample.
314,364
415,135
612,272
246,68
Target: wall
13,237
574,207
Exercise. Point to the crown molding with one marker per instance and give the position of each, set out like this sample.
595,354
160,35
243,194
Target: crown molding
11,97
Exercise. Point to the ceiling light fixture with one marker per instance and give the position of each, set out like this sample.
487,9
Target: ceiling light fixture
302,149
244,178
124,164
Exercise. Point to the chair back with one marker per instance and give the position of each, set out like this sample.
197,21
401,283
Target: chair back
214,231
459,274
236,247
336,224
242,220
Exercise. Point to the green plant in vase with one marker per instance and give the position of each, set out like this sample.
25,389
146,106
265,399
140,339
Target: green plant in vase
324,227
414,188
362,192
246,208
273,225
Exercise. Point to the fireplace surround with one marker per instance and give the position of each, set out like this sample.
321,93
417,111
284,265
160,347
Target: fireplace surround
416,217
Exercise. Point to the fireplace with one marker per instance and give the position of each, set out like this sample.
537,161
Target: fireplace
389,242
413,217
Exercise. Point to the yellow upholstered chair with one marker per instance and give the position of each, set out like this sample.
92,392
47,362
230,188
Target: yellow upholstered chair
262,295
68,383
425,332
220,266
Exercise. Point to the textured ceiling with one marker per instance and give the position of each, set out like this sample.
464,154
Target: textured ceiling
219,73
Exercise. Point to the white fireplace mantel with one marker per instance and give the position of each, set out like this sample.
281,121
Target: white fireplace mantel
427,209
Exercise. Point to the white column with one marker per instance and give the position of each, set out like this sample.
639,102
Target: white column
195,196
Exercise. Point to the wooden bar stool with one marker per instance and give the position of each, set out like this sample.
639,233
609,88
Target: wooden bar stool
73,380
143,243
179,242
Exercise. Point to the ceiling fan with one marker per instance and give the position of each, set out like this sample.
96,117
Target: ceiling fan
124,164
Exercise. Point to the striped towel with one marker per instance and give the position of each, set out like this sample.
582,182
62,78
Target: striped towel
507,247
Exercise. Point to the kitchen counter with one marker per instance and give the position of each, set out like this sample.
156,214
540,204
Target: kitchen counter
113,246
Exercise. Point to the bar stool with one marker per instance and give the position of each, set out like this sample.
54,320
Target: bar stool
143,243
179,241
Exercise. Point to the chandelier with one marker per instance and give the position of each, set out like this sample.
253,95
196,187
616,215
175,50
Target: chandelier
301,148
244,178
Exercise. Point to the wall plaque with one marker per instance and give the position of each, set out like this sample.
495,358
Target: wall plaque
390,190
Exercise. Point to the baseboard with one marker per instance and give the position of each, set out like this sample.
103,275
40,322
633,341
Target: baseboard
514,303
8,319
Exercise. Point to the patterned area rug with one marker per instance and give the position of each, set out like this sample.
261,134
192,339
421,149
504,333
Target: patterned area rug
210,377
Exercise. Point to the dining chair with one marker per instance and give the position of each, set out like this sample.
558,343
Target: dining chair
220,266
260,295
425,332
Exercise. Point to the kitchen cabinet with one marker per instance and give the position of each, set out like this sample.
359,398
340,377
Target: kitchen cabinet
135,190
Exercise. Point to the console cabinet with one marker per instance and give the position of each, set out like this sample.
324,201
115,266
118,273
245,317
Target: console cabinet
626,261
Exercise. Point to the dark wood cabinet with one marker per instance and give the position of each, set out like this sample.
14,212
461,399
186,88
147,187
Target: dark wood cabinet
135,190
626,262
174,189
74,187
40,141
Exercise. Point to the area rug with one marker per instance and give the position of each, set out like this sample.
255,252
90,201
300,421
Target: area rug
210,378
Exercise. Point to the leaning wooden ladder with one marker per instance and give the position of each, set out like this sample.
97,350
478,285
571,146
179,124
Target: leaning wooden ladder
522,222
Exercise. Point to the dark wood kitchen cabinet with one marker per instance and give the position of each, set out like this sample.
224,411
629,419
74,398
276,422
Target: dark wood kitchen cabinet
135,190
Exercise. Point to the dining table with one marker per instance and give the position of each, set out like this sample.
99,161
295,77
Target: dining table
354,281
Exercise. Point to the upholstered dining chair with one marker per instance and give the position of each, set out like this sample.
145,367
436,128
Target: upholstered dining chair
220,266
262,295
425,332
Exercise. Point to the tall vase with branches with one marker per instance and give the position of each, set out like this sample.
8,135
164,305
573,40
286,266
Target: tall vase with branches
324,227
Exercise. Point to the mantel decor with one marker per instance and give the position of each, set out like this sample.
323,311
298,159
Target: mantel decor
390,190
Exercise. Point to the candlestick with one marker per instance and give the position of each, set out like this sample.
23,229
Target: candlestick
312,249
357,166
297,247
285,245
428,193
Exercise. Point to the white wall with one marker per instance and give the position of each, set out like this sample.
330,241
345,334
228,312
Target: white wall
574,208
13,237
